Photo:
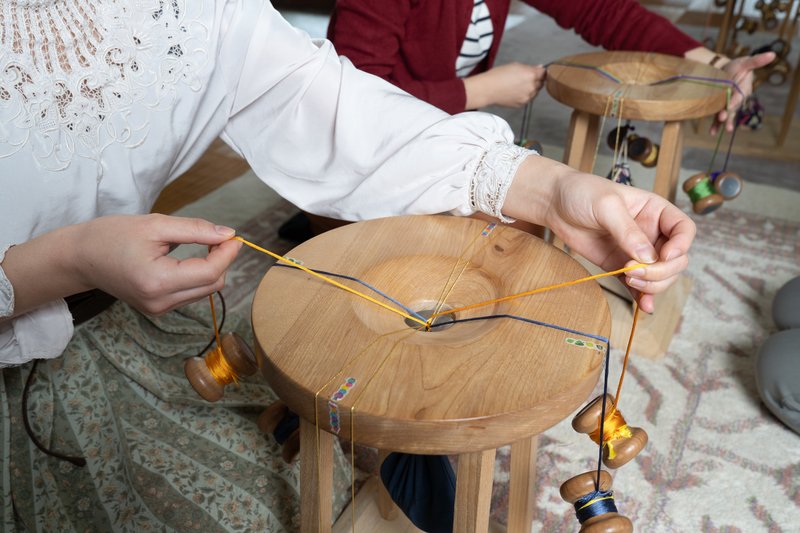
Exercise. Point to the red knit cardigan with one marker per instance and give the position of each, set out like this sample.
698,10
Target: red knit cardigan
414,43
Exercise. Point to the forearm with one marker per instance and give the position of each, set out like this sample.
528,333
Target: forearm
618,25
42,270
532,191
474,89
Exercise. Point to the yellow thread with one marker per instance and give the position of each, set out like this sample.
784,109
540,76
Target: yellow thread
218,366
222,372
651,157
614,428
590,502
627,351
316,421
329,280
445,291
319,465
353,417
353,469
602,126
217,357
536,291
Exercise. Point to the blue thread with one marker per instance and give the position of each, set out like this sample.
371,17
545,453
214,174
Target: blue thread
596,505
587,67
680,77
472,319
670,79
530,321
604,503
602,418
365,284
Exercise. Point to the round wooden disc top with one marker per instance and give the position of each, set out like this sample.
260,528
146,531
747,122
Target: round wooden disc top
641,84
458,388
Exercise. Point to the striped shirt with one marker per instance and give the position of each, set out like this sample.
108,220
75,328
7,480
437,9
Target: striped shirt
478,40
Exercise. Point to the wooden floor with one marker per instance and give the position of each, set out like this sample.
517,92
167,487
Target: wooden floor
218,166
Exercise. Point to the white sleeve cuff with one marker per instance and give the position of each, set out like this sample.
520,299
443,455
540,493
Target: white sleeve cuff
40,334
493,176
6,290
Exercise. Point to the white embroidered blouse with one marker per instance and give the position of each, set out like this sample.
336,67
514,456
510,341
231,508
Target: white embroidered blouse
104,102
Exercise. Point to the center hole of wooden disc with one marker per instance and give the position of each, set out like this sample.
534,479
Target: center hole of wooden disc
440,323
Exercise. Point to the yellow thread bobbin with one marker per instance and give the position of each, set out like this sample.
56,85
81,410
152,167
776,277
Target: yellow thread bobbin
643,150
621,443
225,364
219,368
614,428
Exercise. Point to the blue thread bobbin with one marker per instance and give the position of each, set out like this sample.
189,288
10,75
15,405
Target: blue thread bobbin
594,505
277,420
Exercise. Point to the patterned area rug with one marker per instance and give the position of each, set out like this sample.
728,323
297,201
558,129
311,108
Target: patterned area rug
717,460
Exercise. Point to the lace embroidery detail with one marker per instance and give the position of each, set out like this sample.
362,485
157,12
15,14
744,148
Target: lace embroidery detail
77,76
6,290
493,177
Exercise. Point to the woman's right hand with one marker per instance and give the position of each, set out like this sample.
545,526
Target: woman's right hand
511,85
125,256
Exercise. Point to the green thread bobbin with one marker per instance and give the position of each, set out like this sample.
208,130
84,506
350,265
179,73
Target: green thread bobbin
702,193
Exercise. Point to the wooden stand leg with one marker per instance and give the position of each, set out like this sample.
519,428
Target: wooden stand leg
385,503
669,161
791,105
316,479
584,129
724,28
473,491
523,477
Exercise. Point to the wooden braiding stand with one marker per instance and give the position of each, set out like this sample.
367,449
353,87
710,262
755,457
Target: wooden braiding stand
589,94
463,390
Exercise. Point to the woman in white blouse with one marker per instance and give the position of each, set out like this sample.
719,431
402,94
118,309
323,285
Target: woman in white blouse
104,103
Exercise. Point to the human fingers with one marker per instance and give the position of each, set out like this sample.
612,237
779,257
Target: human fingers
612,215
657,272
182,230
174,283
678,231
173,300
646,303
651,287
186,274
757,61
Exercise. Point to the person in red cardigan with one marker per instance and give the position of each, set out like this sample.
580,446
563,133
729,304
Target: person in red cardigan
415,44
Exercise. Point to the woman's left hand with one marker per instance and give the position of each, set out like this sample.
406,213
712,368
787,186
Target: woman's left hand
741,71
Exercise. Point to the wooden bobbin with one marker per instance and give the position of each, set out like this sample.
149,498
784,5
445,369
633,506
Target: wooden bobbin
533,144
617,136
269,419
643,150
727,184
778,72
702,204
236,353
579,486
588,420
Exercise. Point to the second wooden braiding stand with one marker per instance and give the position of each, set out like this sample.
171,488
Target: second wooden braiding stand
642,95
